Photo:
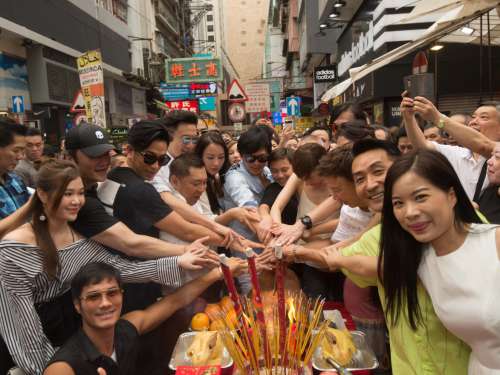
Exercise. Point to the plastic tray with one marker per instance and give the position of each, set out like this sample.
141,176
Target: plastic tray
180,357
363,359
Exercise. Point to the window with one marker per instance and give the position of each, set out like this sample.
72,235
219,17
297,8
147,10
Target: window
210,28
211,38
210,18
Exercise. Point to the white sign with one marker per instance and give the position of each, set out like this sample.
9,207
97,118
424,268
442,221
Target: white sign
236,112
259,97
358,50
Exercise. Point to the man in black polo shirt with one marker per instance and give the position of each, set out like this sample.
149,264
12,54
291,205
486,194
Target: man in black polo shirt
107,341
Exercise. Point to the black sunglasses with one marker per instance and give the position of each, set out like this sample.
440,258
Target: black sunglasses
150,158
260,158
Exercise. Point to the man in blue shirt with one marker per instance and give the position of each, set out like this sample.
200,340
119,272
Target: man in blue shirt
13,192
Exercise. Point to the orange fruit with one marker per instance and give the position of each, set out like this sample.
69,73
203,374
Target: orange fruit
200,322
213,311
226,303
216,325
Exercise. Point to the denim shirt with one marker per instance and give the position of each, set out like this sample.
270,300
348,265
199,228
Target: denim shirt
242,189
13,194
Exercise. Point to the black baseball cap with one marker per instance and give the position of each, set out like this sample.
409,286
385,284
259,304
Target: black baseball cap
92,140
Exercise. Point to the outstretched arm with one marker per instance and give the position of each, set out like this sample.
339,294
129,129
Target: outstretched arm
464,135
146,320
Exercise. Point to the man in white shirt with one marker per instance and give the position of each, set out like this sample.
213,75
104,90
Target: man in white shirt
467,165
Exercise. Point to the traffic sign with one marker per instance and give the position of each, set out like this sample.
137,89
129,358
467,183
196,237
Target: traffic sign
293,105
236,112
18,104
236,92
420,63
277,119
207,103
78,103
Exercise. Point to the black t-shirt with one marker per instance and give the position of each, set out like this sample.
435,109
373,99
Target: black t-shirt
137,204
81,354
289,214
92,218
489,204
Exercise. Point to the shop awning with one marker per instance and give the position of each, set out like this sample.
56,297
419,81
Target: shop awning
453,15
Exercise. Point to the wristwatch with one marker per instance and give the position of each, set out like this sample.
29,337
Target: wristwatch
440,123
306,220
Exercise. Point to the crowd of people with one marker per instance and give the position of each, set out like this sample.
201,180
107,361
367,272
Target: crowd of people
103,248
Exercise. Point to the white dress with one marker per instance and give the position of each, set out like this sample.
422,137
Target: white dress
465,290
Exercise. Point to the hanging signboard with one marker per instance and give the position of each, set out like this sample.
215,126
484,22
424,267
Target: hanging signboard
183,105
259,97
189,70
92,82
327,73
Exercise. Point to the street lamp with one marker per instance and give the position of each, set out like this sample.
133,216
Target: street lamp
334,14
436,47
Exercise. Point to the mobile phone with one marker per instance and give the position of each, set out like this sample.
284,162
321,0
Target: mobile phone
420,85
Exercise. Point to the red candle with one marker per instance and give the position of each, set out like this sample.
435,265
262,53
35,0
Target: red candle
257,301
280,288
231,287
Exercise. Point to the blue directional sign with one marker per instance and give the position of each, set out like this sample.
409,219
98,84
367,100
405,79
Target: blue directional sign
293,105
18,104
277,119
207,103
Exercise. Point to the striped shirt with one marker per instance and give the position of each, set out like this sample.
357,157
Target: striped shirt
23,283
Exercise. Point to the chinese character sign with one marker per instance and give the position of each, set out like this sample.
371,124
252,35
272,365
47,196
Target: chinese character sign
183,105
196,69
92,83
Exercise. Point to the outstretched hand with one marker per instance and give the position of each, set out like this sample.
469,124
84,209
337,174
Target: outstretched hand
198,255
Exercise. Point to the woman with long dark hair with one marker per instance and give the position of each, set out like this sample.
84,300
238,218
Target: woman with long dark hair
431,234
39,259
212,150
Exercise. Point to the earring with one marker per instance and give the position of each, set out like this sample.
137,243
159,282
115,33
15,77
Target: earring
42,217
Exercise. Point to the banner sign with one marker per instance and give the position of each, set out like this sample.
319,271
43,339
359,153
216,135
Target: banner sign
92,83
189,70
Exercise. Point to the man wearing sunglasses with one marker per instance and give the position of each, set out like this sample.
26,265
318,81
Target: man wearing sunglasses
182,126
107,342
246,181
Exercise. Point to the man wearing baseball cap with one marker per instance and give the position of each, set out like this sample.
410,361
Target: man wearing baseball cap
89,147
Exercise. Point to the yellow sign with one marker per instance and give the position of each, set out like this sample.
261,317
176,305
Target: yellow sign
92,82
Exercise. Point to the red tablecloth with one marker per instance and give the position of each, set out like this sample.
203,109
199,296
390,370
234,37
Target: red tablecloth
329,305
